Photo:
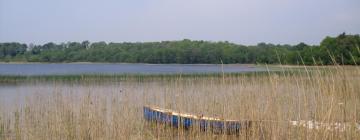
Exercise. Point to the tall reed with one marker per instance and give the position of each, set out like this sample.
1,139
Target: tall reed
111,108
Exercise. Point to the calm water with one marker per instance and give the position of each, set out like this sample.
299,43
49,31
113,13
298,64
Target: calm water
15,93
66,69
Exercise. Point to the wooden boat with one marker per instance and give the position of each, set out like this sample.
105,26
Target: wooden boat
217,125
188,121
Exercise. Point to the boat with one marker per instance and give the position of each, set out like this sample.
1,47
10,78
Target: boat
191,121
222,126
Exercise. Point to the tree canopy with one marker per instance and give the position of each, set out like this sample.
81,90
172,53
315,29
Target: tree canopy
343,49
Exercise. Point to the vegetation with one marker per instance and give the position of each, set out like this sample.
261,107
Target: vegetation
117,77
343,49
111,108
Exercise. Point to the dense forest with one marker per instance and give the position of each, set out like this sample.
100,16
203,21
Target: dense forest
343,49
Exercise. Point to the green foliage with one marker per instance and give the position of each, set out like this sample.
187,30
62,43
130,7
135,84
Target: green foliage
343,49
9,50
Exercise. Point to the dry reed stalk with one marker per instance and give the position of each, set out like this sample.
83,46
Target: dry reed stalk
89,109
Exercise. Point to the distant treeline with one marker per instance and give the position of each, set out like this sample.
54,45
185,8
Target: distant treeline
343,49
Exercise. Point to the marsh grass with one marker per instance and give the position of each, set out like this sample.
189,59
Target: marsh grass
110,107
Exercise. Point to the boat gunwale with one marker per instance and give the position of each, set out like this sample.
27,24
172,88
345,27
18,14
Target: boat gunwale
188,115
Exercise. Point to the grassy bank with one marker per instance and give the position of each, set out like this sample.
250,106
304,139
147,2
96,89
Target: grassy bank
274,69
117,77
110,106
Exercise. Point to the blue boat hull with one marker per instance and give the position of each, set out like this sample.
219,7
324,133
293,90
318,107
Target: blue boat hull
190,121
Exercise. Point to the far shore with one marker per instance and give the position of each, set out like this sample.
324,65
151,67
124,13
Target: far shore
286,66
117,63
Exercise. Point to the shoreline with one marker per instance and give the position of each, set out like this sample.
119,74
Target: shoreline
200,64
124,63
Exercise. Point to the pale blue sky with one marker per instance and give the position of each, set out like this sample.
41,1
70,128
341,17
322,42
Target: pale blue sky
240,21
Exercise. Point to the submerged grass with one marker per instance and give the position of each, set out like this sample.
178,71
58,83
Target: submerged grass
110,106
116,77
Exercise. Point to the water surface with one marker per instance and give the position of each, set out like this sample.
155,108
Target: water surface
80,68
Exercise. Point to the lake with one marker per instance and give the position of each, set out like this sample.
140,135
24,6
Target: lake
107,68
110,104
16,92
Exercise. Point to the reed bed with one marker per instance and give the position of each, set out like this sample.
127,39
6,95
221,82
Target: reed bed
111,108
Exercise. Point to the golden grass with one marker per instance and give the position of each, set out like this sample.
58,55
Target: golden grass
113,110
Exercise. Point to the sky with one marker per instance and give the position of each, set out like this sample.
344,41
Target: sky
245,22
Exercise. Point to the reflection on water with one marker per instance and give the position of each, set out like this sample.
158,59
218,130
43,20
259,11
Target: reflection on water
63,69
15,95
